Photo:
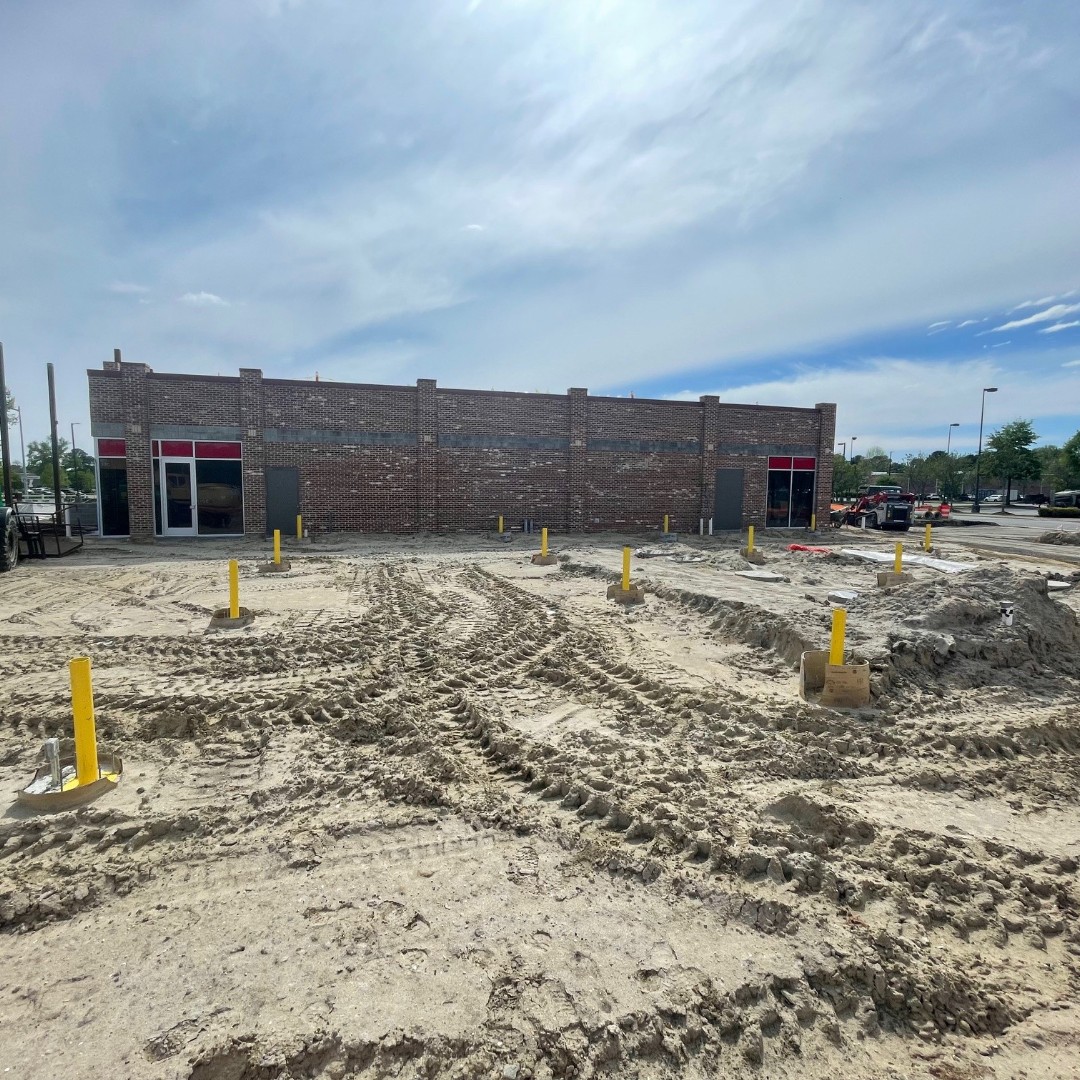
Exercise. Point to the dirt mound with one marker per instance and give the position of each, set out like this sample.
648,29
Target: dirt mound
1061,536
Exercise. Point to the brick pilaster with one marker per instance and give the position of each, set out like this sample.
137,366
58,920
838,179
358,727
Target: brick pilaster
140,480
710,432
427,455
826,446
576,505
252,422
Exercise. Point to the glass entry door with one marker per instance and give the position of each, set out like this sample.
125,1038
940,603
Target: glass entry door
178,496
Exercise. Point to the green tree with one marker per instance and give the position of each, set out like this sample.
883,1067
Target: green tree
1011,457
79,466
1070,463
39,460
845,478
12,416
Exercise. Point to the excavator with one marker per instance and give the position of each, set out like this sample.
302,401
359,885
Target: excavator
877,506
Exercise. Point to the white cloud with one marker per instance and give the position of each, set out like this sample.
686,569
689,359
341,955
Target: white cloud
969,322
934,325
1059,326
203,299
1049,315
1032,303
474,228
938,392
127,288
1071,363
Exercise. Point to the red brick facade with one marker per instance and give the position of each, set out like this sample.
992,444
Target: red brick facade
402,458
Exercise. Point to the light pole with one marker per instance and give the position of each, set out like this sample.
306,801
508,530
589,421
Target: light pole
978,456
853,438
843,453
948,442
74,462
22,456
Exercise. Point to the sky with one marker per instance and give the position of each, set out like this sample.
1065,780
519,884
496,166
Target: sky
783,202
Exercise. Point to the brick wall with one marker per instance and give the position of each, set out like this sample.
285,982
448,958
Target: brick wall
402,458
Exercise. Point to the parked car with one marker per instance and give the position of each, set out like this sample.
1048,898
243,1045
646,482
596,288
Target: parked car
1038,500
994,499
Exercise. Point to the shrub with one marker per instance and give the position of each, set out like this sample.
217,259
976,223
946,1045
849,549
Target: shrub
1059,511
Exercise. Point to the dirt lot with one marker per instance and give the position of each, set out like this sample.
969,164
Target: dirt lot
441,812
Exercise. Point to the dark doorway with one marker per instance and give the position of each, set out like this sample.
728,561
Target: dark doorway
113,493
282,500
728,504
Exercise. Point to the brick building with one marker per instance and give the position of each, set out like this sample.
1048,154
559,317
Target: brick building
196,455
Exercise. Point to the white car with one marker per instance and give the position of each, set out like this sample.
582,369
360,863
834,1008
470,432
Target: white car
994,498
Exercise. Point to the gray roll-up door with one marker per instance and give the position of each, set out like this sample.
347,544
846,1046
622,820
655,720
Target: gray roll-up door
728,504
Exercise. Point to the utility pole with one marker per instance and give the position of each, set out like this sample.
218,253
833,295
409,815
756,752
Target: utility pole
74,460
22,455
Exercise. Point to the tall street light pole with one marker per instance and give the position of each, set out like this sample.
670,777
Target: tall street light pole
22,455
853,438
978,456
948,442
843,453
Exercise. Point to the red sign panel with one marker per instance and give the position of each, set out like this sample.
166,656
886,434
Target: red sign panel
111,448
176,448
229,450
805,463
155,449
779,463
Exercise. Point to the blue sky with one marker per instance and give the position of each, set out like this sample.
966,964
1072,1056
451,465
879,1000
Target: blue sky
785,202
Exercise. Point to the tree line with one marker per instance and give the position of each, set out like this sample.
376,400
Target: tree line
76,466
1009,460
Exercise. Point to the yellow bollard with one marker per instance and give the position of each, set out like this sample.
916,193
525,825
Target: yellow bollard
234,589
836,644
82,712
898,563
665,523
625,569
277,547
543,543
813,522
500,523
750,540
926,539
299,526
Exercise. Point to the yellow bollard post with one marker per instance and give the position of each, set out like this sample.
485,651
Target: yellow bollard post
299,526
926,539
543,543
898,562
82,712
813,522
277,547
665,523
234,589
500,523
836,644
750,540
625,569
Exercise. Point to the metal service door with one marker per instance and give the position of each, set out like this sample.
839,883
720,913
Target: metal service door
282,500
728,505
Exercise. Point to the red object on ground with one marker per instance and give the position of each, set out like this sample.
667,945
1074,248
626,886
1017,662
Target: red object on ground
812,550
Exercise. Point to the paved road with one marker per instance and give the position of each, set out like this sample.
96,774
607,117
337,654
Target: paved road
1015,532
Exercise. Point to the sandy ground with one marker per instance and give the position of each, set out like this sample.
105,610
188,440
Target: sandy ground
441,812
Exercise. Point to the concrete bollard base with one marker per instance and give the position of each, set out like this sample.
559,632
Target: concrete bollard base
887,578
222,621
274,568
754,556
838,686
544,560
634,595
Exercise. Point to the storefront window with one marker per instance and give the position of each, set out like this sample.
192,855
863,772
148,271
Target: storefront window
790,497
113,496
220,497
